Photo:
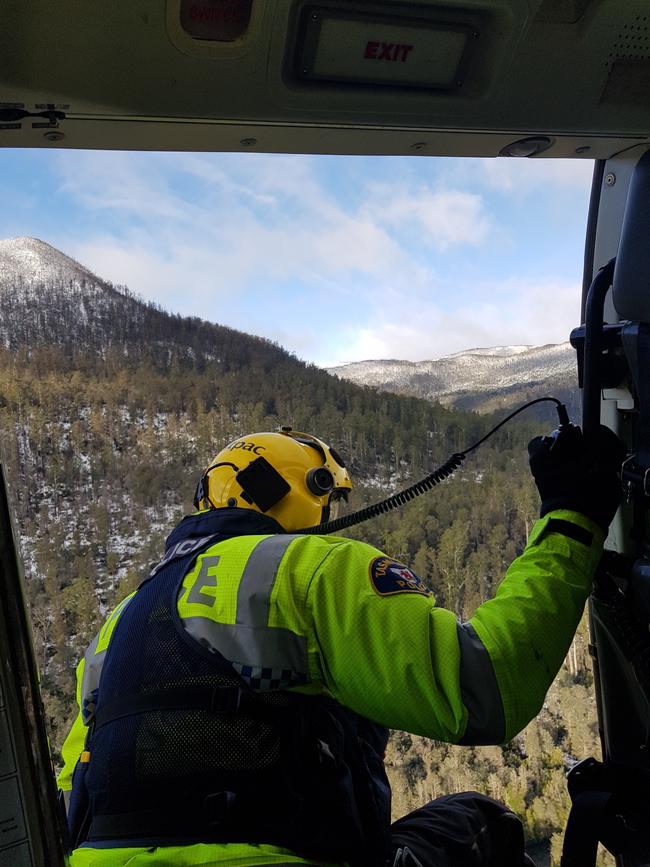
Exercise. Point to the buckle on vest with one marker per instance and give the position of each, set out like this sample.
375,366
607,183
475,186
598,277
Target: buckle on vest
218,807
405,858
225,699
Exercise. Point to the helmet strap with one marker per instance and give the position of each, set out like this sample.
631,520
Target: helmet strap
203,487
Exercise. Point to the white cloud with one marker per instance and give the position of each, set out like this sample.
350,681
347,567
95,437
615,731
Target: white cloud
448,218
128,184
224,236
523,176
178,251
533,313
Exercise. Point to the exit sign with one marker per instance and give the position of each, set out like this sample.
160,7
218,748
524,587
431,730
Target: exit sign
374,49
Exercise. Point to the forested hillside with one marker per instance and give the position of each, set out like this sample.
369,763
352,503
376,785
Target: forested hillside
110,407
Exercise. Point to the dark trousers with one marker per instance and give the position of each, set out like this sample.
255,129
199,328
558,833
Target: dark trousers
465,830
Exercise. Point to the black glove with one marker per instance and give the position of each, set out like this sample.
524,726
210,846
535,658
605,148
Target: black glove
463,830
571,474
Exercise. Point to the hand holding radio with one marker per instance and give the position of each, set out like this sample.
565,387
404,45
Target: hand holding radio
575,474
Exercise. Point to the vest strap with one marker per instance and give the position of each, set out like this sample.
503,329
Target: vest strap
226,700
201,820
207,819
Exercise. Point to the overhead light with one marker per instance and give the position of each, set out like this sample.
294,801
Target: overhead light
372,47
215,20
526,147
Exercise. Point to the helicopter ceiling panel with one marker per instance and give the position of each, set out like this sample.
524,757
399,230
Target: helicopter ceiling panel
466,76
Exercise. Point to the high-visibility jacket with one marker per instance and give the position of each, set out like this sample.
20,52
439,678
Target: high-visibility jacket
363,629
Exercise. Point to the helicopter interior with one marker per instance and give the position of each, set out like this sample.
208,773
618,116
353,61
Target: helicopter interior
508,79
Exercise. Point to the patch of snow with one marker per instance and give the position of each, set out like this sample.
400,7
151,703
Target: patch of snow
29,260
500,351
471,371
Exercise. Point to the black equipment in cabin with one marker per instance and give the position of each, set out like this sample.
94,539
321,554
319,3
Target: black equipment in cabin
31,826
611,799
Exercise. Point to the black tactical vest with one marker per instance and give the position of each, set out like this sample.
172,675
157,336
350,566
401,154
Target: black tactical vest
184,751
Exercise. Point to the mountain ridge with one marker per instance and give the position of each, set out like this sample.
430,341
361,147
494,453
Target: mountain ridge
482,379
35,260
48,298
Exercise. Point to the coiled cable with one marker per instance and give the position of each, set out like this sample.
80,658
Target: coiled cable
444,471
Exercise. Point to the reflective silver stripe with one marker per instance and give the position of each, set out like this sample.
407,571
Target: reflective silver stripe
260,647
258,578
480,691
93,663
250,641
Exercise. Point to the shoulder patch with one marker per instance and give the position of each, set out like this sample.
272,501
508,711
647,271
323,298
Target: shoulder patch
389,577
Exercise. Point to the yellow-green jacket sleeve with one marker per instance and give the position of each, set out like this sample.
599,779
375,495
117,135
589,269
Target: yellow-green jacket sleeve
402,661
529,625
74,743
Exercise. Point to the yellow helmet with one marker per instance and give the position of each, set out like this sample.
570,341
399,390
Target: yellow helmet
290,476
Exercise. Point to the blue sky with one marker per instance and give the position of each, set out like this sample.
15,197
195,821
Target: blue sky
337,258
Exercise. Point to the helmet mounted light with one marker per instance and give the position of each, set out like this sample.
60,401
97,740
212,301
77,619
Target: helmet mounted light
320,481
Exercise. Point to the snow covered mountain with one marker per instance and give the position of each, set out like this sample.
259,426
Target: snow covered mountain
484,379
31,261
47,297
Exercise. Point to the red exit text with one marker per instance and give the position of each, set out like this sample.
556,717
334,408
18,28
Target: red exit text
387,51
